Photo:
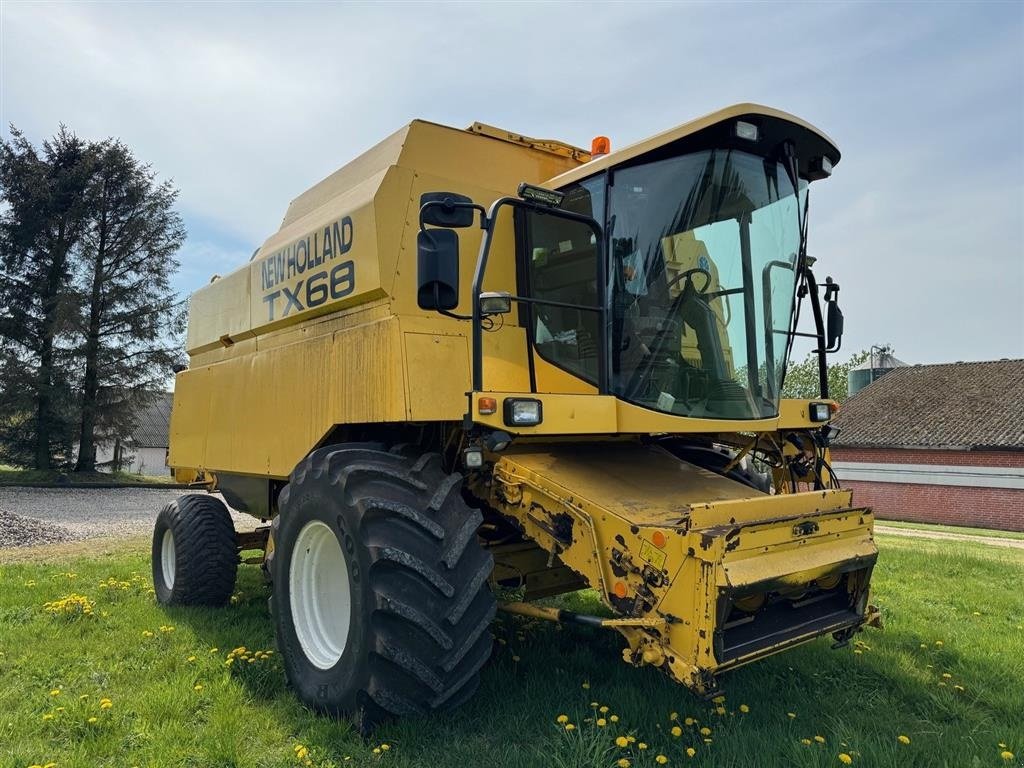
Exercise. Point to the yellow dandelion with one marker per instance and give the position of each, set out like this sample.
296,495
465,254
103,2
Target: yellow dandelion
690,751
229,662
91,720
197,687
791,715
55,692
614,718
720,710
689,721
677,731
593,705
1006,754
939,643
744,708
705,731
845,759
674,716
820,739
631,739
903,739
621,741
376,750
190,659
302,753
570,727
106,703
641,745
586,686
661,759
718,699
623,762
805,742
385,747
59,709
562,719
857,652
1001,745
958,688
603,710
146,633
946,676
601,722
48,716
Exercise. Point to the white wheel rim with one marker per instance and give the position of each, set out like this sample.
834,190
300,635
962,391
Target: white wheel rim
320,594
167,558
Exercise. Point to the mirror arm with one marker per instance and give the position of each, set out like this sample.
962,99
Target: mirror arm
449,205
819,327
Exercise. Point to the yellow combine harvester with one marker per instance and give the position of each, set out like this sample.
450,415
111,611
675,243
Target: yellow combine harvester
578,385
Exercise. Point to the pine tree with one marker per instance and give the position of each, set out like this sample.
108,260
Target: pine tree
42,220
131,317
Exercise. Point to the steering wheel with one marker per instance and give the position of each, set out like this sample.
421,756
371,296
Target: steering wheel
687,274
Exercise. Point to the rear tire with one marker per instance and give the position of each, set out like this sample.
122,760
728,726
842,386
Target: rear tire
381,602
195,557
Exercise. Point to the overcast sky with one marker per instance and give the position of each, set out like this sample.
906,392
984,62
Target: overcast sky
245,106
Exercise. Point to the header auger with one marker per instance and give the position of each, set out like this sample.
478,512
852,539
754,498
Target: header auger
471,362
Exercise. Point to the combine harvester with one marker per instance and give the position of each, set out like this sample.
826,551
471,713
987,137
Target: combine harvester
471,361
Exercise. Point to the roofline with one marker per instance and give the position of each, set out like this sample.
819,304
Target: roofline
679,132
961,448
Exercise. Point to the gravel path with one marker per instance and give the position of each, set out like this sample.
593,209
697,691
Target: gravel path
30,516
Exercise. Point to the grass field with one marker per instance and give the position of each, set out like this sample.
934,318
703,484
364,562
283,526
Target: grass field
28,477
951,609
964,530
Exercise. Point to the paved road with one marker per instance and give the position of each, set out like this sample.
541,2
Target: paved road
918,534
87,513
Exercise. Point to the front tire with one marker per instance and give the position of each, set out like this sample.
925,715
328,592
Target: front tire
381,603
194,555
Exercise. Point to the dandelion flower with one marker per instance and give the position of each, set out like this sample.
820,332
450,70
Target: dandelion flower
720,710
939,643
845,759
91,720
946,676
376,750
690,751
48,716
570,727
674,716
190,659
562,719
1006,754
106,703
677,731
805,742
385,747
744,708
593,705
631,739
55,692
622,741
623,762
689,721
1001,745
197,687
613,718
718,699
302,753
791,715
586,685
601,722
705,731
903,739
641,745
146,633
603,710
661,759
515,658
820,739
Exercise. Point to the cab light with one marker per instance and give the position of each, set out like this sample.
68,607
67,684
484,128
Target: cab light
486,406
473,457
523,412
748,131
820,411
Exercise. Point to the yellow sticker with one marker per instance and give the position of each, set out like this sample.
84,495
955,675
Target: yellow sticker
652,554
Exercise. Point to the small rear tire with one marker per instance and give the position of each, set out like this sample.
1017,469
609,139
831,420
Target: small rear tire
381,600
195,555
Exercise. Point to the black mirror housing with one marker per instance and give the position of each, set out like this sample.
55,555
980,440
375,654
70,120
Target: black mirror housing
834,325
437,262
446,209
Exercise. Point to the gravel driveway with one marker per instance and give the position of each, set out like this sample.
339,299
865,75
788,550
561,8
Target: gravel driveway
31,516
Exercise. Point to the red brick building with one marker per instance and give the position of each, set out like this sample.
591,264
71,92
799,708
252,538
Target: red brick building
938,444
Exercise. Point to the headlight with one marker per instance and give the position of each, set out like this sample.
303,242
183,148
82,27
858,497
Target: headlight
523,412
820,411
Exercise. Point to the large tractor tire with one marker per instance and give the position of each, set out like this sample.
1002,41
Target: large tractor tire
381,603
195,557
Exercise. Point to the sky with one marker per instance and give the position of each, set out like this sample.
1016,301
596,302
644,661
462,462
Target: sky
246,105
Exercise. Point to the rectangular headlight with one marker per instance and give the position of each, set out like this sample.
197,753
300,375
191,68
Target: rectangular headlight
523,412
745,130
820,411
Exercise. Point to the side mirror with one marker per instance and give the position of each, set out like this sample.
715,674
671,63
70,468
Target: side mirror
446,209
834,319
437,263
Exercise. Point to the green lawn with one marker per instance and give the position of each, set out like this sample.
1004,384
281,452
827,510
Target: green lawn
28,477
953,529
950,609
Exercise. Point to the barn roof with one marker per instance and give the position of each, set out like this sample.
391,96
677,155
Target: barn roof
962,406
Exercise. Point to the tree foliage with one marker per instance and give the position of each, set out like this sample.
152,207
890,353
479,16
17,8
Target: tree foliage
87,316
802,378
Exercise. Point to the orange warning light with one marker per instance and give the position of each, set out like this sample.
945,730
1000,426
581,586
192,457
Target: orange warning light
601,145
619,589
659,539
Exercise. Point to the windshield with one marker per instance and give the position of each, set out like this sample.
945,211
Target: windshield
703,251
